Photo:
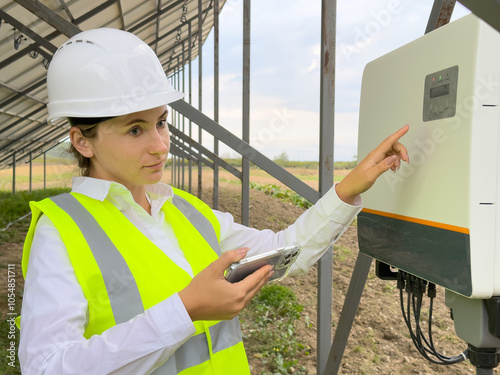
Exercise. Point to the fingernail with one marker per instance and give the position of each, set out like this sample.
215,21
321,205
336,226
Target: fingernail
243,250
390,160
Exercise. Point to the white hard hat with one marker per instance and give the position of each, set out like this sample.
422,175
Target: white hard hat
106,73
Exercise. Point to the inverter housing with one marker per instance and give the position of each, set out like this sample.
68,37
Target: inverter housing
437,217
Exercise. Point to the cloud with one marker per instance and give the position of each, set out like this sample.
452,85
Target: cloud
285,67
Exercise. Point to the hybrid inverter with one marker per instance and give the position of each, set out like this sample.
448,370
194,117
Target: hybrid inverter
437,217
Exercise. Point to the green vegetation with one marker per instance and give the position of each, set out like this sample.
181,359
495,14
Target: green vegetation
342,253
269,326
285,195
14,206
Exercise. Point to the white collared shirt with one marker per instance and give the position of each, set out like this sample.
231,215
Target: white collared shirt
54,311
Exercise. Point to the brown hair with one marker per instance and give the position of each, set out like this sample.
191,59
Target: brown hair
88,127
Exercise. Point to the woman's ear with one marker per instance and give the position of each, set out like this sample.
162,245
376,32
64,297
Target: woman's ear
80,143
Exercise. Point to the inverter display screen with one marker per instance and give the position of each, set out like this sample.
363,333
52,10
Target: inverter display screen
440,91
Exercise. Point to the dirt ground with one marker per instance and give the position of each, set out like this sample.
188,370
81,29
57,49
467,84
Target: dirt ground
379,342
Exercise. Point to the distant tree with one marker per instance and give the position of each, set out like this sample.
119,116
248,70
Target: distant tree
281,158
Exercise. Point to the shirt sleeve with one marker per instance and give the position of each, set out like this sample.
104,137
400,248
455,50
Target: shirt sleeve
54,316
315,230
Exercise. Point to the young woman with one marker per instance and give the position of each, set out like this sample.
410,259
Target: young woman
125,274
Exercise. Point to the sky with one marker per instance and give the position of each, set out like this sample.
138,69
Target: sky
285,69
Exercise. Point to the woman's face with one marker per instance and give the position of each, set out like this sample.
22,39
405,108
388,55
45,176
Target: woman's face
131,149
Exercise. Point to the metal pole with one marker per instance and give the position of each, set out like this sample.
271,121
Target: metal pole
44,170
200,85
440,14
31,170
14,172
183,117
189,97
174,158
245,164
216,101
327,110
172,170
354,292
181,159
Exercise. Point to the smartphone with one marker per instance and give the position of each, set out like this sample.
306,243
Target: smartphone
282,259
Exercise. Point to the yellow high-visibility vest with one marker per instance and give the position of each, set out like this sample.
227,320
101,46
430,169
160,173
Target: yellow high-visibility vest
122,273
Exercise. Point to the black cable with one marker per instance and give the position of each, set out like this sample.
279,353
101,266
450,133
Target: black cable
415,288
410,286
422,340
431,291
416,315
408,322
430,343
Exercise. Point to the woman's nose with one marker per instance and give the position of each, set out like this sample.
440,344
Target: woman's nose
160,142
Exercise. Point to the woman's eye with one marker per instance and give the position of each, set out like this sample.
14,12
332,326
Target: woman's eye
134,131
162,123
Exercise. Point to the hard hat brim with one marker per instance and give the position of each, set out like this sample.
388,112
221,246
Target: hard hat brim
109,108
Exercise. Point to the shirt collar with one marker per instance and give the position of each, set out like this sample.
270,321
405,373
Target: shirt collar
99,189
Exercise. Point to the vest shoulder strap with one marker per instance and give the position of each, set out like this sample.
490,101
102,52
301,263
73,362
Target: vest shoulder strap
200,215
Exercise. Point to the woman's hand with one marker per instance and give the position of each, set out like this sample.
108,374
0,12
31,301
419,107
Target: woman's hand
386,156
209,296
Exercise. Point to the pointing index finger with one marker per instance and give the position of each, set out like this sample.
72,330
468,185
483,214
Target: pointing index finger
391,142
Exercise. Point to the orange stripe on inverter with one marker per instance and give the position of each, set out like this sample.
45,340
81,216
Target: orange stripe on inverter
435,224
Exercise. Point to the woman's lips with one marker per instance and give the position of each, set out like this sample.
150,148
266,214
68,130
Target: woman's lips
156,166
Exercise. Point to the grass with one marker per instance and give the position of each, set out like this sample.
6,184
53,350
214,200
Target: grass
269,325
14,206
341,252
286,195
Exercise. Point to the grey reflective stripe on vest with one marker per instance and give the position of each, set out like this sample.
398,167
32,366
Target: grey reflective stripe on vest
200,222
123,293
195,351
225,334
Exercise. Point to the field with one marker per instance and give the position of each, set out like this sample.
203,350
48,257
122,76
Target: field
379,342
